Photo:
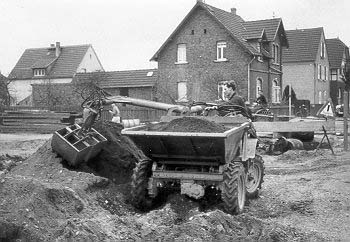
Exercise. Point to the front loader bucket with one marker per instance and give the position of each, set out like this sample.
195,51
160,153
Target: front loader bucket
75,148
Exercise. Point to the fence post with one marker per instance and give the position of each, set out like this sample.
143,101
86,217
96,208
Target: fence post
345,118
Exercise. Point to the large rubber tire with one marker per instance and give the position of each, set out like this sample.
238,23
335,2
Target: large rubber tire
255,176
233,191
139,183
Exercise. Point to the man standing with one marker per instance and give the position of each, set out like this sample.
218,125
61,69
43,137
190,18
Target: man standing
116,113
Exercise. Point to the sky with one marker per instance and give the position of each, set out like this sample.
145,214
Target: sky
126,34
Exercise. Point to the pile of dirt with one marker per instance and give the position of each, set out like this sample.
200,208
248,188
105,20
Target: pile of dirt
188,124
118,156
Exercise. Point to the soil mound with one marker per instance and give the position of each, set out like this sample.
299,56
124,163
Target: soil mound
189,124
118,156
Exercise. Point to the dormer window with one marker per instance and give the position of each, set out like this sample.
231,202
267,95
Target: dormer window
39,72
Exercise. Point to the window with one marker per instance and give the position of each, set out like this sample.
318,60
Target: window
325,73
39,72
258,86
319,74
275,91
221,90
124,91
325,97
334,75
182,91
322,72
320,97
192,32
220,51
339,95
323,49
275,53
205,31
181,53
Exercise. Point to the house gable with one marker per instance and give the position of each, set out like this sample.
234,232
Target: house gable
230,22
90,62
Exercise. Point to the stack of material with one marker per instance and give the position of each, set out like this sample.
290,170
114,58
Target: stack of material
33,121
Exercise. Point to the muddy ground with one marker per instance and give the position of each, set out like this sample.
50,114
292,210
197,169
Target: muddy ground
305,197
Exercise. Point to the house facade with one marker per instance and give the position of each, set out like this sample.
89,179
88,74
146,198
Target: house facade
55,64
211,46
338,55
306,65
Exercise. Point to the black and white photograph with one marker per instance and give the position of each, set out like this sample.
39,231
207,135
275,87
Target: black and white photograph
164,120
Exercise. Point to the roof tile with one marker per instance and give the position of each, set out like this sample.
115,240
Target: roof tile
115,79
64,66
303,45
335,50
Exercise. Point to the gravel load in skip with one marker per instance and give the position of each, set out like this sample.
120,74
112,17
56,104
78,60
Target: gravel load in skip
188,124
44,199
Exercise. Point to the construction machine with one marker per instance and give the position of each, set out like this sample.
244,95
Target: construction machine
194,163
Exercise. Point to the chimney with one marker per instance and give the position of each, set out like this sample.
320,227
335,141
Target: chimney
58,49
233,11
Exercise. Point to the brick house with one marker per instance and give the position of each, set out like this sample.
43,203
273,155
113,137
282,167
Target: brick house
306,65
51,65
210,46
338,55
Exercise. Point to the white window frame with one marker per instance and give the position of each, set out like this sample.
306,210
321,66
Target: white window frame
221,90
319,74
323,50
181,54
220,51
334,74
259,85
276,53
182,91
39,72
319,97
276,89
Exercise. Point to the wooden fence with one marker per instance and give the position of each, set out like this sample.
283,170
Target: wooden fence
143,114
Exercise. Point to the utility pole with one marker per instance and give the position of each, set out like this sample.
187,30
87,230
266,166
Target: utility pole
345,118
290,100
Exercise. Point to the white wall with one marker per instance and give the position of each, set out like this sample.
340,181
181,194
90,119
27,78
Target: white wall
90,62
301,76
20,89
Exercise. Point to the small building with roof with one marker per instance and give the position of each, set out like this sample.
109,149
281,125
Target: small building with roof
129,83
50,65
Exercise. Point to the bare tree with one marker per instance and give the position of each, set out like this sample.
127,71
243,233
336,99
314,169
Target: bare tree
88,84
5,97
47,95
